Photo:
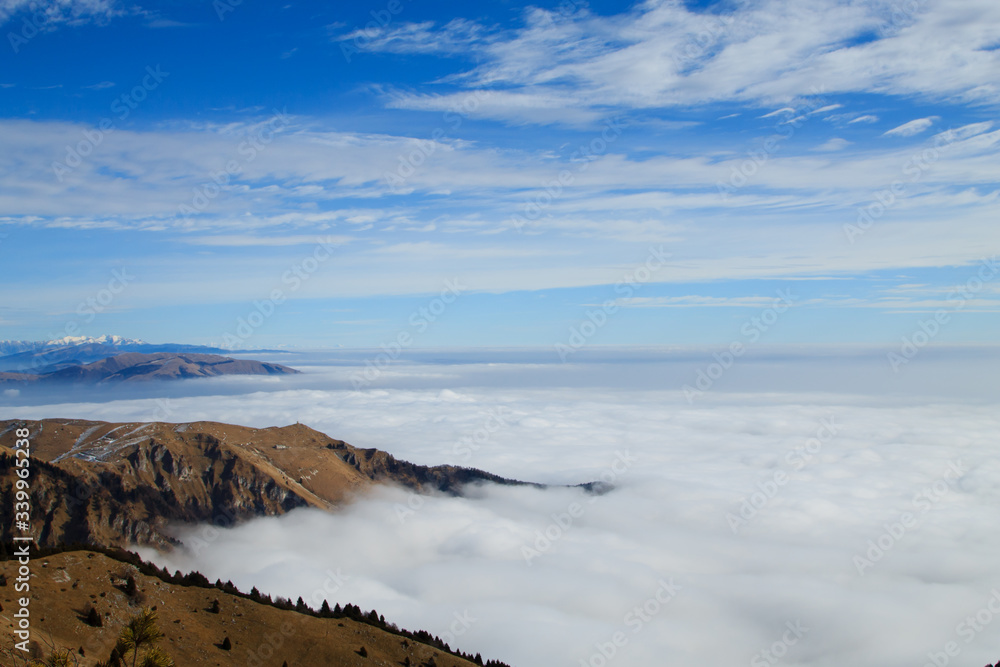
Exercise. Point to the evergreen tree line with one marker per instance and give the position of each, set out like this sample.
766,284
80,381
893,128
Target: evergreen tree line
198,580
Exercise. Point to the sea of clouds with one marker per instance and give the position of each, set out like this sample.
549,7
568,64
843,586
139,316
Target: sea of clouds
805,510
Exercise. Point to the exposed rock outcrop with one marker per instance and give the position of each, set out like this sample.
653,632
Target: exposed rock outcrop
121,484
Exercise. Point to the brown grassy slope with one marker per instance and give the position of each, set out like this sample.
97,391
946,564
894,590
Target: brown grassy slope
63,585
120,484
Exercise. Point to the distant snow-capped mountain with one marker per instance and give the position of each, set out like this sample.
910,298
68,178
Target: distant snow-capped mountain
51,355
16,346
101,340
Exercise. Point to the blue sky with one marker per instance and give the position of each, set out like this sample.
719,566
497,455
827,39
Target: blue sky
167,169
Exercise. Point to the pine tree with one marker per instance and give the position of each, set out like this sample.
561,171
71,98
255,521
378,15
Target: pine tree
226,644
214,609
58,659
139,637
130,588
363,652
198,579
94,619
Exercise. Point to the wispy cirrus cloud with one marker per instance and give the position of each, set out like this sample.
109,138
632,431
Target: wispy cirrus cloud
698,301
143,178
61,11
663,55
833,144
451,38
911,128
247,240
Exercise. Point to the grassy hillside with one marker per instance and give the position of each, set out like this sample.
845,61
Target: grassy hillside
66,585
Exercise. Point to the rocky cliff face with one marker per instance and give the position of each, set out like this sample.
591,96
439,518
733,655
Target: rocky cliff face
121,484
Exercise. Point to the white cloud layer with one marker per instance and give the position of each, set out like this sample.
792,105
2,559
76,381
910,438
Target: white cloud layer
795,561
662,54
787,218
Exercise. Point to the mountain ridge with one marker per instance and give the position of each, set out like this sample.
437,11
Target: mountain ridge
135,366
118,484
20,355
